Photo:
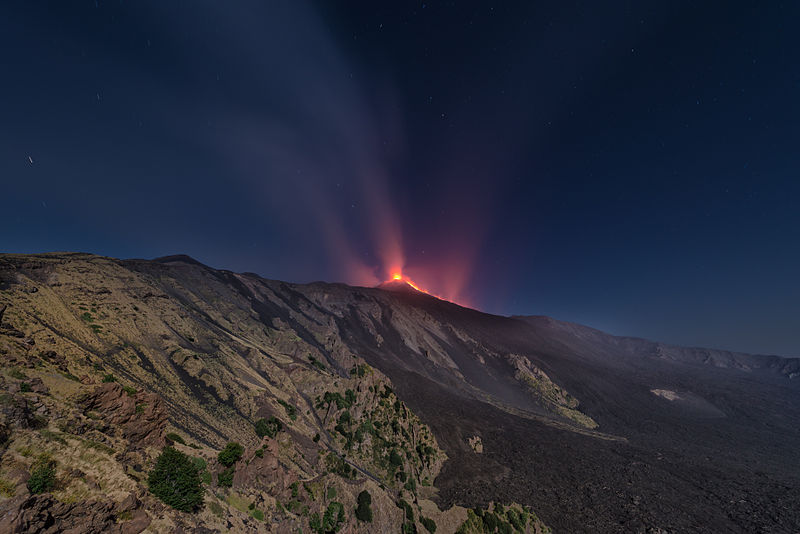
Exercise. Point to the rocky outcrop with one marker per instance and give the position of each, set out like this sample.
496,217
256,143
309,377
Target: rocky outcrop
142,417
46,515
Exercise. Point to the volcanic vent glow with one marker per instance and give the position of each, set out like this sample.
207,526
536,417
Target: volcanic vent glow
398,277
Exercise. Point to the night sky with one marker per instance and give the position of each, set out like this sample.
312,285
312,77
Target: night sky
633,166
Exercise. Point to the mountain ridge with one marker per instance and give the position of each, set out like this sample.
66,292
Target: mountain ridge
505,409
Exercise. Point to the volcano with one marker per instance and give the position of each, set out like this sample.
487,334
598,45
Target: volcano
432,408
398,285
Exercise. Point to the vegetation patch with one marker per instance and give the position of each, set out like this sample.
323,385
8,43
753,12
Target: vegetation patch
230,454
331,521
176,438
268,427
364,507
175,480
43,475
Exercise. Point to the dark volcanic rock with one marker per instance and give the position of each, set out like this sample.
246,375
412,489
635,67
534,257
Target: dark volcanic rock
45,515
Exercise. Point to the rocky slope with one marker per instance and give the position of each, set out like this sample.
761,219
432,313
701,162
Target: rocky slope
443,414
105,362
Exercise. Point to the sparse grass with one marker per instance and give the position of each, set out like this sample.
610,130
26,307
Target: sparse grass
52,436
17,373
98,446
127,515
215,508
7,488
257,514
238,502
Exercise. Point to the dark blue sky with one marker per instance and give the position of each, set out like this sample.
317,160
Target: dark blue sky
632,166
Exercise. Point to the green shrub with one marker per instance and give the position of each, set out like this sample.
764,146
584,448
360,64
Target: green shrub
395,459
316,437
257,514
175,480
407,507
268,427
339,466
24,387
176,438
260,452
230,454
43,475
225,479
131,391
291,411
331,521
428,523
109,378
316,363
364,508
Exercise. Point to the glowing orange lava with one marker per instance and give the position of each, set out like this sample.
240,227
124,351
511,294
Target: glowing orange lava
398,277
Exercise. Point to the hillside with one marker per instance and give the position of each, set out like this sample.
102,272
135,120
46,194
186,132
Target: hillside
432,408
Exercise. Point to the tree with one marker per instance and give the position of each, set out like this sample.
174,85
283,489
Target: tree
364,510
175,480
230,454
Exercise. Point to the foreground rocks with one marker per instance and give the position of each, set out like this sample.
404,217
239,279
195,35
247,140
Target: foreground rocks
45,515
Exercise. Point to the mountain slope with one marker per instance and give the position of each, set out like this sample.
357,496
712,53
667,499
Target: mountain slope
592,431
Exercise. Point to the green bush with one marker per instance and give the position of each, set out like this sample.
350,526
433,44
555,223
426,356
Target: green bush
331,521
109,378
291,411
24,387
407,507
260,452
428,523
316,363
43,475
175,480
364,508
268,427
176,438
257,514
225,479
230,454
